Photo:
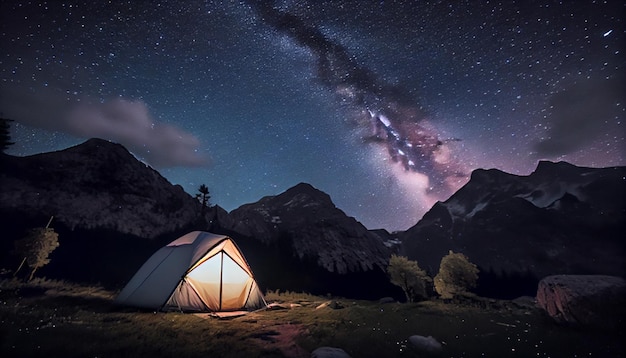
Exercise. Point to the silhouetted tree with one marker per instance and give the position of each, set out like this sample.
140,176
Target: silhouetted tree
5,134
204,197
457,275
409,276
35,248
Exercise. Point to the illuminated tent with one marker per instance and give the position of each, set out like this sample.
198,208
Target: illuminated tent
199,271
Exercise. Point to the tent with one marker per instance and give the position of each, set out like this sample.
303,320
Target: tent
200,272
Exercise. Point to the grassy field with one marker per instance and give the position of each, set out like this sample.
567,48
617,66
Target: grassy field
57,319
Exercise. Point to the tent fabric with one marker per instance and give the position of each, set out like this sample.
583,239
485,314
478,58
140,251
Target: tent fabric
200,272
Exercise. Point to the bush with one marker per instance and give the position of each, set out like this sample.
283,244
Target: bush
457,275
35,248
409,276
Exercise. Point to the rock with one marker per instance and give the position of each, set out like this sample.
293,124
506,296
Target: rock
595,300
426,344
525,302
335,305
385,300
329,352
330,304
277,306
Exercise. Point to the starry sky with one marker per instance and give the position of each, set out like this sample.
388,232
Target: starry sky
387,106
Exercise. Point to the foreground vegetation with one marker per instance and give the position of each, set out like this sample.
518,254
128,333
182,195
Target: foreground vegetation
45,318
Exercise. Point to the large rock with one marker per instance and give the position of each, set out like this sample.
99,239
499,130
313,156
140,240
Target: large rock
595,300
426,345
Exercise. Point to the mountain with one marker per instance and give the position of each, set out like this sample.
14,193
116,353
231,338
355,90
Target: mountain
95,185
560,219
111,211
311,245
315,228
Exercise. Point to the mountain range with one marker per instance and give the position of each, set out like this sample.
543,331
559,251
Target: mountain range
112,211
560,219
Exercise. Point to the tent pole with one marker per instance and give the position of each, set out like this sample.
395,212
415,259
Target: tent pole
221,275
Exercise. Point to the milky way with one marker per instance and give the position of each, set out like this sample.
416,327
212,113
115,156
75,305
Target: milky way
392,117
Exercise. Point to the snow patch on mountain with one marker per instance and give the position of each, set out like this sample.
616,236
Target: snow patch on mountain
459,211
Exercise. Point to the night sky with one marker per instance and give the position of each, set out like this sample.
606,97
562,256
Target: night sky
387,106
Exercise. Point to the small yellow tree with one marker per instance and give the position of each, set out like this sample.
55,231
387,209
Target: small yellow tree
409,276
457,275
35,248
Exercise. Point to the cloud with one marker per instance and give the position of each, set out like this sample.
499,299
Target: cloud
127,122
580,114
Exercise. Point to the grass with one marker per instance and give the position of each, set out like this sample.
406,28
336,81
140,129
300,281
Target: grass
51,318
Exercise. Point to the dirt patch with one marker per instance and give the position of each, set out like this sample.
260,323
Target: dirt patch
283,337
279,336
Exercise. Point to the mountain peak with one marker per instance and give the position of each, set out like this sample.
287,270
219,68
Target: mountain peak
500,220
96,184
100,148
549,167
309,191
315,228
488,175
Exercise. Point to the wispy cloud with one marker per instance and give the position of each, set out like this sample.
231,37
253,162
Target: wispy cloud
127,122
130,123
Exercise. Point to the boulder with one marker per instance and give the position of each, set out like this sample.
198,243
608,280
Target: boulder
425,344
329,352
595,300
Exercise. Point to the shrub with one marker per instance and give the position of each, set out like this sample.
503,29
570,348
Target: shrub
457,275
409,276
35,248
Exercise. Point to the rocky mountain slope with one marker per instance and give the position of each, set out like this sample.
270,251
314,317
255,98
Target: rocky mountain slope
315,228
300,241
95,185
560,219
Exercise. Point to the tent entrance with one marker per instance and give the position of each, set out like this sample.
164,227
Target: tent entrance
218,282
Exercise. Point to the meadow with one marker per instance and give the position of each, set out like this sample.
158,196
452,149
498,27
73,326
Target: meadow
46,318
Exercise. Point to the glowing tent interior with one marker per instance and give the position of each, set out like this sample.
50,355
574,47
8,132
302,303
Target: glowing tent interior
199,272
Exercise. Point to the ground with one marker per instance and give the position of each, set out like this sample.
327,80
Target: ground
51,318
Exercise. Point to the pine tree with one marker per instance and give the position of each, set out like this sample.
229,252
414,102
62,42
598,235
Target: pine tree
204,197
5,134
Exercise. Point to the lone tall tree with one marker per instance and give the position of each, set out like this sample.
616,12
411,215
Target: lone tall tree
204,197
35,248
409,276
5,134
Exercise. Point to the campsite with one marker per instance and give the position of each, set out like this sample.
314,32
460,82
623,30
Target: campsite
323,179
46,318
